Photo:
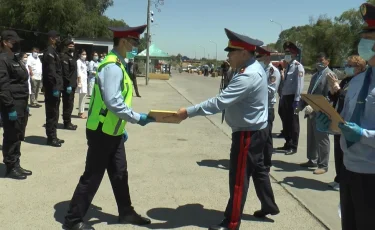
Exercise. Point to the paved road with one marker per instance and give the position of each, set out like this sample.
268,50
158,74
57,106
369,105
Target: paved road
311,190
177,172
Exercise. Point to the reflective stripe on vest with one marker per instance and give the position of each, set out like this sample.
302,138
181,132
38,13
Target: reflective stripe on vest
98,112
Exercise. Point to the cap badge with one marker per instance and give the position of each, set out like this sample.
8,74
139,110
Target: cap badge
363,9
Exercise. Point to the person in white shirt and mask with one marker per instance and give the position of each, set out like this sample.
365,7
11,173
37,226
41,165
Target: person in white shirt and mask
82,82
93,67
34,66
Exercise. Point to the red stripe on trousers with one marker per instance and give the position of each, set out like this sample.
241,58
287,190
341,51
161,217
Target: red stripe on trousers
240,173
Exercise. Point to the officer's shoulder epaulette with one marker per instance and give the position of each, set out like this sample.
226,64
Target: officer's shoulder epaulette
271,70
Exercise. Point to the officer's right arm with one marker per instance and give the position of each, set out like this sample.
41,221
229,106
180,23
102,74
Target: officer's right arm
65,69
53,77
110,82
6,98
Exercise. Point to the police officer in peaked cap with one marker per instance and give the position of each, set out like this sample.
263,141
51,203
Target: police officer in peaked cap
274,77
245,101
14,93
109,111
290,97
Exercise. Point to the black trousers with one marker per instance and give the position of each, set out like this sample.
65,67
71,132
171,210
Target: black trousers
357,196
14,133
104,152
52,105
68,105
339,157
290,122
246,159
268,148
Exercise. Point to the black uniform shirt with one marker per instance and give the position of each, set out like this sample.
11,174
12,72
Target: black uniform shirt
13,81
52,72
69,70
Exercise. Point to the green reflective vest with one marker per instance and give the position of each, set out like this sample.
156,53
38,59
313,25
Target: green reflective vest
98,112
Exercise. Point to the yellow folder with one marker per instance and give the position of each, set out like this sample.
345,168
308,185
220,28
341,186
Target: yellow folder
163,116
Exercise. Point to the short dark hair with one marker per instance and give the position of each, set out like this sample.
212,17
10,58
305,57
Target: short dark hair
35,48
116,41
322,55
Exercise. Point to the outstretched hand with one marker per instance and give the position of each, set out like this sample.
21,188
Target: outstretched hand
145,119
182,114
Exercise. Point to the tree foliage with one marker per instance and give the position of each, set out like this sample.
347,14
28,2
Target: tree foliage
78,18
337,37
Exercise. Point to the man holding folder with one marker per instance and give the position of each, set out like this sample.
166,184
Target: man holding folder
245,101
357,185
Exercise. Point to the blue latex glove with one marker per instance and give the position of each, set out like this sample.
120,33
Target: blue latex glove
322,122
125,136
145,119
69,89
56,93
295,104
351,131
12,115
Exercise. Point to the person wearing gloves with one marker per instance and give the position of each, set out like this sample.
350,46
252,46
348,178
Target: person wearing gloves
318,143
93,67
69,72
53,85
109,111
354,66
245,101
357,182
290,97
82,82
14,94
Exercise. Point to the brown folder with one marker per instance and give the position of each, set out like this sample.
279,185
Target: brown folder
162,116
320,104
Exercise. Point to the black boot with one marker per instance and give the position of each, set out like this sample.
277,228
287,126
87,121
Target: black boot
263,214
70,126
25,171
224,225
15,173
133,218
79,226
54,142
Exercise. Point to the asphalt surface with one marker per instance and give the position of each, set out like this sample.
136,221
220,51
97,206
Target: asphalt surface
177,173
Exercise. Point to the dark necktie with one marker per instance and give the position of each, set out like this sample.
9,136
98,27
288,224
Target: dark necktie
361,101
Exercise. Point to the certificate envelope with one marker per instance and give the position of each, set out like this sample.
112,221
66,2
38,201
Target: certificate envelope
320,104
163,116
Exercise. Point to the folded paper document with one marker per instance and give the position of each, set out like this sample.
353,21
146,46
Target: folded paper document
162,116
320,104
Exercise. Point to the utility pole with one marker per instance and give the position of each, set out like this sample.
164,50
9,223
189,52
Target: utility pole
148,41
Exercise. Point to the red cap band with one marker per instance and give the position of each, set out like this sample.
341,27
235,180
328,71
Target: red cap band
126,34
241,45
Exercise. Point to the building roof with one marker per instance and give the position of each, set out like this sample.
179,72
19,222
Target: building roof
154,52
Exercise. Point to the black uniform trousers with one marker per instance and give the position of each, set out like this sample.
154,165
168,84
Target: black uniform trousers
290,122
135,84
357,197
339,157
246,159
104,152
14,133
52,105
68,105
268,148
280,112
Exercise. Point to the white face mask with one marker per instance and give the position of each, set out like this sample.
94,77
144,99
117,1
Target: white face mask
288,58
35,54
262,64
24,60
83,57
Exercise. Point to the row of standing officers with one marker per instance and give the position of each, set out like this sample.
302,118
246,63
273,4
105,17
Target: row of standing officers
59,80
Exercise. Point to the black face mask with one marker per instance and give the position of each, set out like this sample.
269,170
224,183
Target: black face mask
16,47
58,42
71,50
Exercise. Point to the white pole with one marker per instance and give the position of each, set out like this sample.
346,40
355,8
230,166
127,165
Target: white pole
148,40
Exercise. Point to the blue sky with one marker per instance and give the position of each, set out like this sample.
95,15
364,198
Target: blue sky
185,25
